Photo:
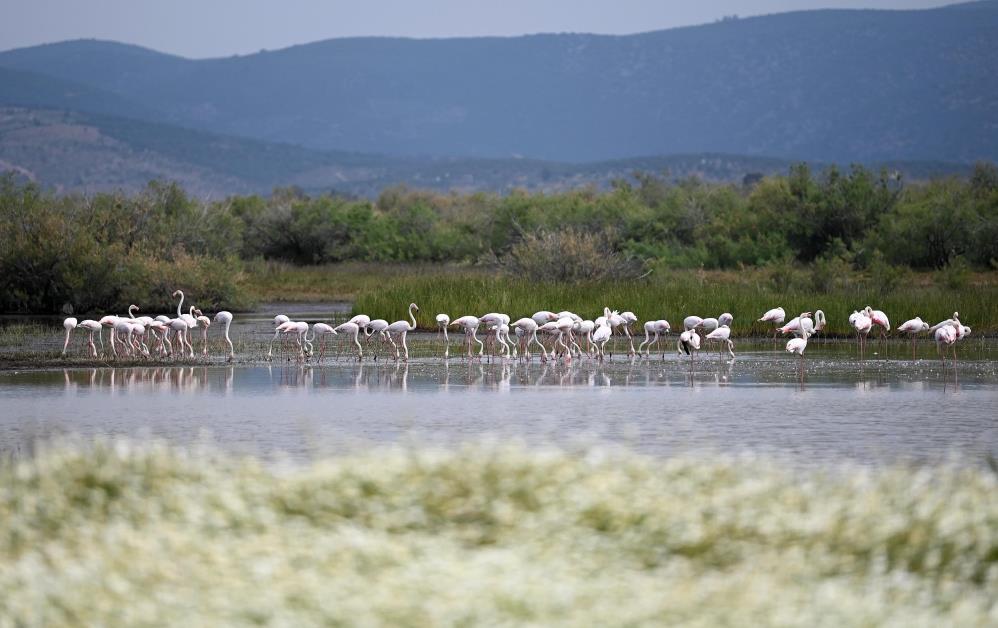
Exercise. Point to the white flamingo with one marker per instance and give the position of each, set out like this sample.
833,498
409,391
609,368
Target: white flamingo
470,326
659,327
70,324
797,346
913,327
402,328
321,330
225,318
353,330
722,336
442,322
688,343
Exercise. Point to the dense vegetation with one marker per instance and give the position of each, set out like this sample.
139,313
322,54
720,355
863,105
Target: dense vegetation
107,250
129,534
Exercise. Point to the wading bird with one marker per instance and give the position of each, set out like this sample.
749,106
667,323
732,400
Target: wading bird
401,328
722,336
225,318
776,316
913,327
442,322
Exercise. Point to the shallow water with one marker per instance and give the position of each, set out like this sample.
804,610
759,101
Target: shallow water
867,411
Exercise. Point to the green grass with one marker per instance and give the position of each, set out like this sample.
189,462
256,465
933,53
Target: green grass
114,533
746,295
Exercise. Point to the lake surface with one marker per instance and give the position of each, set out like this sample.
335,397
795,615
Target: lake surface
871,412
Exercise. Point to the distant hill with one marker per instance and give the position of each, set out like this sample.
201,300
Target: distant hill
85,152
816,85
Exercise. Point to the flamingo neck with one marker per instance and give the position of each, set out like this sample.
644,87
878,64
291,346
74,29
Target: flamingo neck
179,305
413,317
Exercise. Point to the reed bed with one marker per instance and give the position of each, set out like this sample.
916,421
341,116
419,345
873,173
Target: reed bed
113,533
674,297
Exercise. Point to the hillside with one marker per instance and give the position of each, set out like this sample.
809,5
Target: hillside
84,152
815,85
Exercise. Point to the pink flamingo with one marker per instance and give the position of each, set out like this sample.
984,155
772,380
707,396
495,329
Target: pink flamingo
862,324
776,316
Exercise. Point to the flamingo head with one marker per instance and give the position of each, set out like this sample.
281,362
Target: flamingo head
413,306
176,292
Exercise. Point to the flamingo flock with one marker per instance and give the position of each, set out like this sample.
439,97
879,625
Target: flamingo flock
131,336
550,335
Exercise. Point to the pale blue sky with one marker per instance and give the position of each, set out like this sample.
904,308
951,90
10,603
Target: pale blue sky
211,28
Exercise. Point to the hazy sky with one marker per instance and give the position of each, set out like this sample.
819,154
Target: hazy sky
211,28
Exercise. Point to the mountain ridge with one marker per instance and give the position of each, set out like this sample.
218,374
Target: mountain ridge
827,85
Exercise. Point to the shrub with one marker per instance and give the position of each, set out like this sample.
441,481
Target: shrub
568,255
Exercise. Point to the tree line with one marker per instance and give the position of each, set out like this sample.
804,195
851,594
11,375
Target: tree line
105,250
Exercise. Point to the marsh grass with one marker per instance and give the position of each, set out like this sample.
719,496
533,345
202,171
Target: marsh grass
112,533
17,334
746,295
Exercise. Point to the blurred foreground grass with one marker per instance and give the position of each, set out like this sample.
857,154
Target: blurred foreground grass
120,534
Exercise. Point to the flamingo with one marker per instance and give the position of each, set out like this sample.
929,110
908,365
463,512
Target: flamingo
205,323
776,316
279,321
138,336
353,329
654,327
796,324
189,317
282,329
586,328
402,328
862,324
70,324
379,326
442,322
616,321
180,328
225,318
954,320
629,319
689,341
722,335
108,321
692,322
544,317
92,326
156,326
798,345
564,326
470,326
946,336
880,320
492,321
123,326
321,330
709,324
913,327
601,335
360,320
300,329
528,327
